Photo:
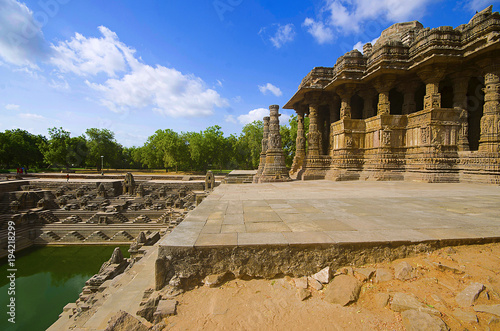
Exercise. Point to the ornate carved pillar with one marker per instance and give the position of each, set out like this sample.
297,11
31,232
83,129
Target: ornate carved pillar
368,96
460,84
408,89
313,134
264,142
300,142
431,77
383,86
274,169
490,122
345,94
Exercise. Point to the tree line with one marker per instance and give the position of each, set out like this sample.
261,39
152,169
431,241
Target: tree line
165,149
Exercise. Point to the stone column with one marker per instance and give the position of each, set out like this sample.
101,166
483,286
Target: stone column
383,86
264,143
300,142
367,96
408,89
432,77
345,94
313,134
490,122
275,168
460,84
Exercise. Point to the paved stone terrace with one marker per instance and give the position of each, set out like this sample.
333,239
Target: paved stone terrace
326,212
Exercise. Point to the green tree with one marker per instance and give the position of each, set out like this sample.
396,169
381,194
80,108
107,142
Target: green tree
102,143
61,150
166,149
249,145
19,148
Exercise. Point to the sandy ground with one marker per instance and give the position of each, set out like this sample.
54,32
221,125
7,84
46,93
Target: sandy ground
274,305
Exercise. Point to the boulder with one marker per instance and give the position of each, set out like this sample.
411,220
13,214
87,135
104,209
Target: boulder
300,282
313,283
415,320
117,256
490,309
383,275
403,271
123,321
213,280
402,302
465,316
323,276
364,274
343,290
382,299
467,297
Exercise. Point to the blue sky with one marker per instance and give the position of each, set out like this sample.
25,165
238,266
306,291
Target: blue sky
138,66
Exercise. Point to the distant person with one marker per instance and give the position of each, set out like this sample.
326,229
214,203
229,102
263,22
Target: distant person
67,177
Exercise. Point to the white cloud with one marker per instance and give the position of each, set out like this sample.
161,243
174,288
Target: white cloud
230,119
271,88
219,83
359,45
478,5
29,116
90,56
322,33
350,16
21,38
131,83
284,34
12,107
253,115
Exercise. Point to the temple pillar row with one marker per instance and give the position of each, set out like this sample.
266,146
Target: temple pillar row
300,142
460,85
313,134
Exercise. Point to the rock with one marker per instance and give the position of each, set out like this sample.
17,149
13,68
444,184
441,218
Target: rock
303,294
403,271
323,276
314,283
117,256
167,308
467,297
490,309
382,299
402,302
213,280
141,238
159,327
170,292
123,321
343,290
415,320
450,250
148,308
465,316
382,275
364,274
300,282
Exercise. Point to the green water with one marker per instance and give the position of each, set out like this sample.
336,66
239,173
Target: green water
48,278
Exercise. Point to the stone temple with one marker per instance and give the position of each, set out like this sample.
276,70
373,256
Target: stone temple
420,104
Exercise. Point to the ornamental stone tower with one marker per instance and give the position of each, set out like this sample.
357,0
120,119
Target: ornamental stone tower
274,168
262,161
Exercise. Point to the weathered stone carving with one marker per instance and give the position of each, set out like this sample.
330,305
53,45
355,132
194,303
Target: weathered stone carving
264,143
128,184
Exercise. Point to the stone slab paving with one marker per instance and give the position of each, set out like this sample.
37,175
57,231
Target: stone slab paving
326,212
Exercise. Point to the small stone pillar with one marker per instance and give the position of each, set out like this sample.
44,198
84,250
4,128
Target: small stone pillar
209,181
313,134
408,89
274,169
345,102
490,122
264,142
383,86
367,96
460,85
432,77
300,143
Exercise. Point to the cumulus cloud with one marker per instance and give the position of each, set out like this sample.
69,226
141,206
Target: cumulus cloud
270,88
349,16
278,34
253,115
12,107
322,33
284,34
359,44
21,39
133,84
